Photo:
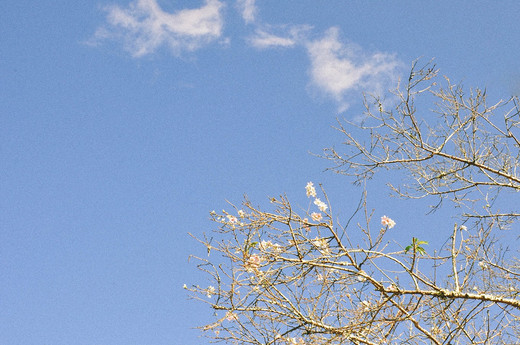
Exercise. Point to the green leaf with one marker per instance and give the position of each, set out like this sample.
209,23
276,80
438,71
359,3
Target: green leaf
416,246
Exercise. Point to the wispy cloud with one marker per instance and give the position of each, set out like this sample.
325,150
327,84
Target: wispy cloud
338,68
144,27
286,36
248,10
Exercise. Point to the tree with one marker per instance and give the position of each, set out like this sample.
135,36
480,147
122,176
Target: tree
281,277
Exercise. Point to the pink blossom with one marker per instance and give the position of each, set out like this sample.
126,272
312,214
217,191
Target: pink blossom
386,221
230,316
232,219
253,263
391,288
316,216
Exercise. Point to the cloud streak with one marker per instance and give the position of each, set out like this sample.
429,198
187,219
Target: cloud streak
338,69
248,10
144,27
288,36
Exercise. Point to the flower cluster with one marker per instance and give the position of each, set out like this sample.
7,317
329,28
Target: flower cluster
253,263
322,245
229,219
316,216
311,192
321,205
386,221
232,219
295,341
230,316
391,288
210,291
268,246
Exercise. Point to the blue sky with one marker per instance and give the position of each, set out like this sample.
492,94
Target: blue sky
123,123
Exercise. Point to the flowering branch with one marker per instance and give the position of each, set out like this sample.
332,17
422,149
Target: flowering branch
285,276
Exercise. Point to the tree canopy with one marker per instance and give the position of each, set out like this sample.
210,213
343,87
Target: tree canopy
285,276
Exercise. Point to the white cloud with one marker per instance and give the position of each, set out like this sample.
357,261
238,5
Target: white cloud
263,39
144,27
248,9
336,71
288,36
338,68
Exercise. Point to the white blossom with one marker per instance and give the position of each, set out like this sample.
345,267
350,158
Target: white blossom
210,291
321,205
310,190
